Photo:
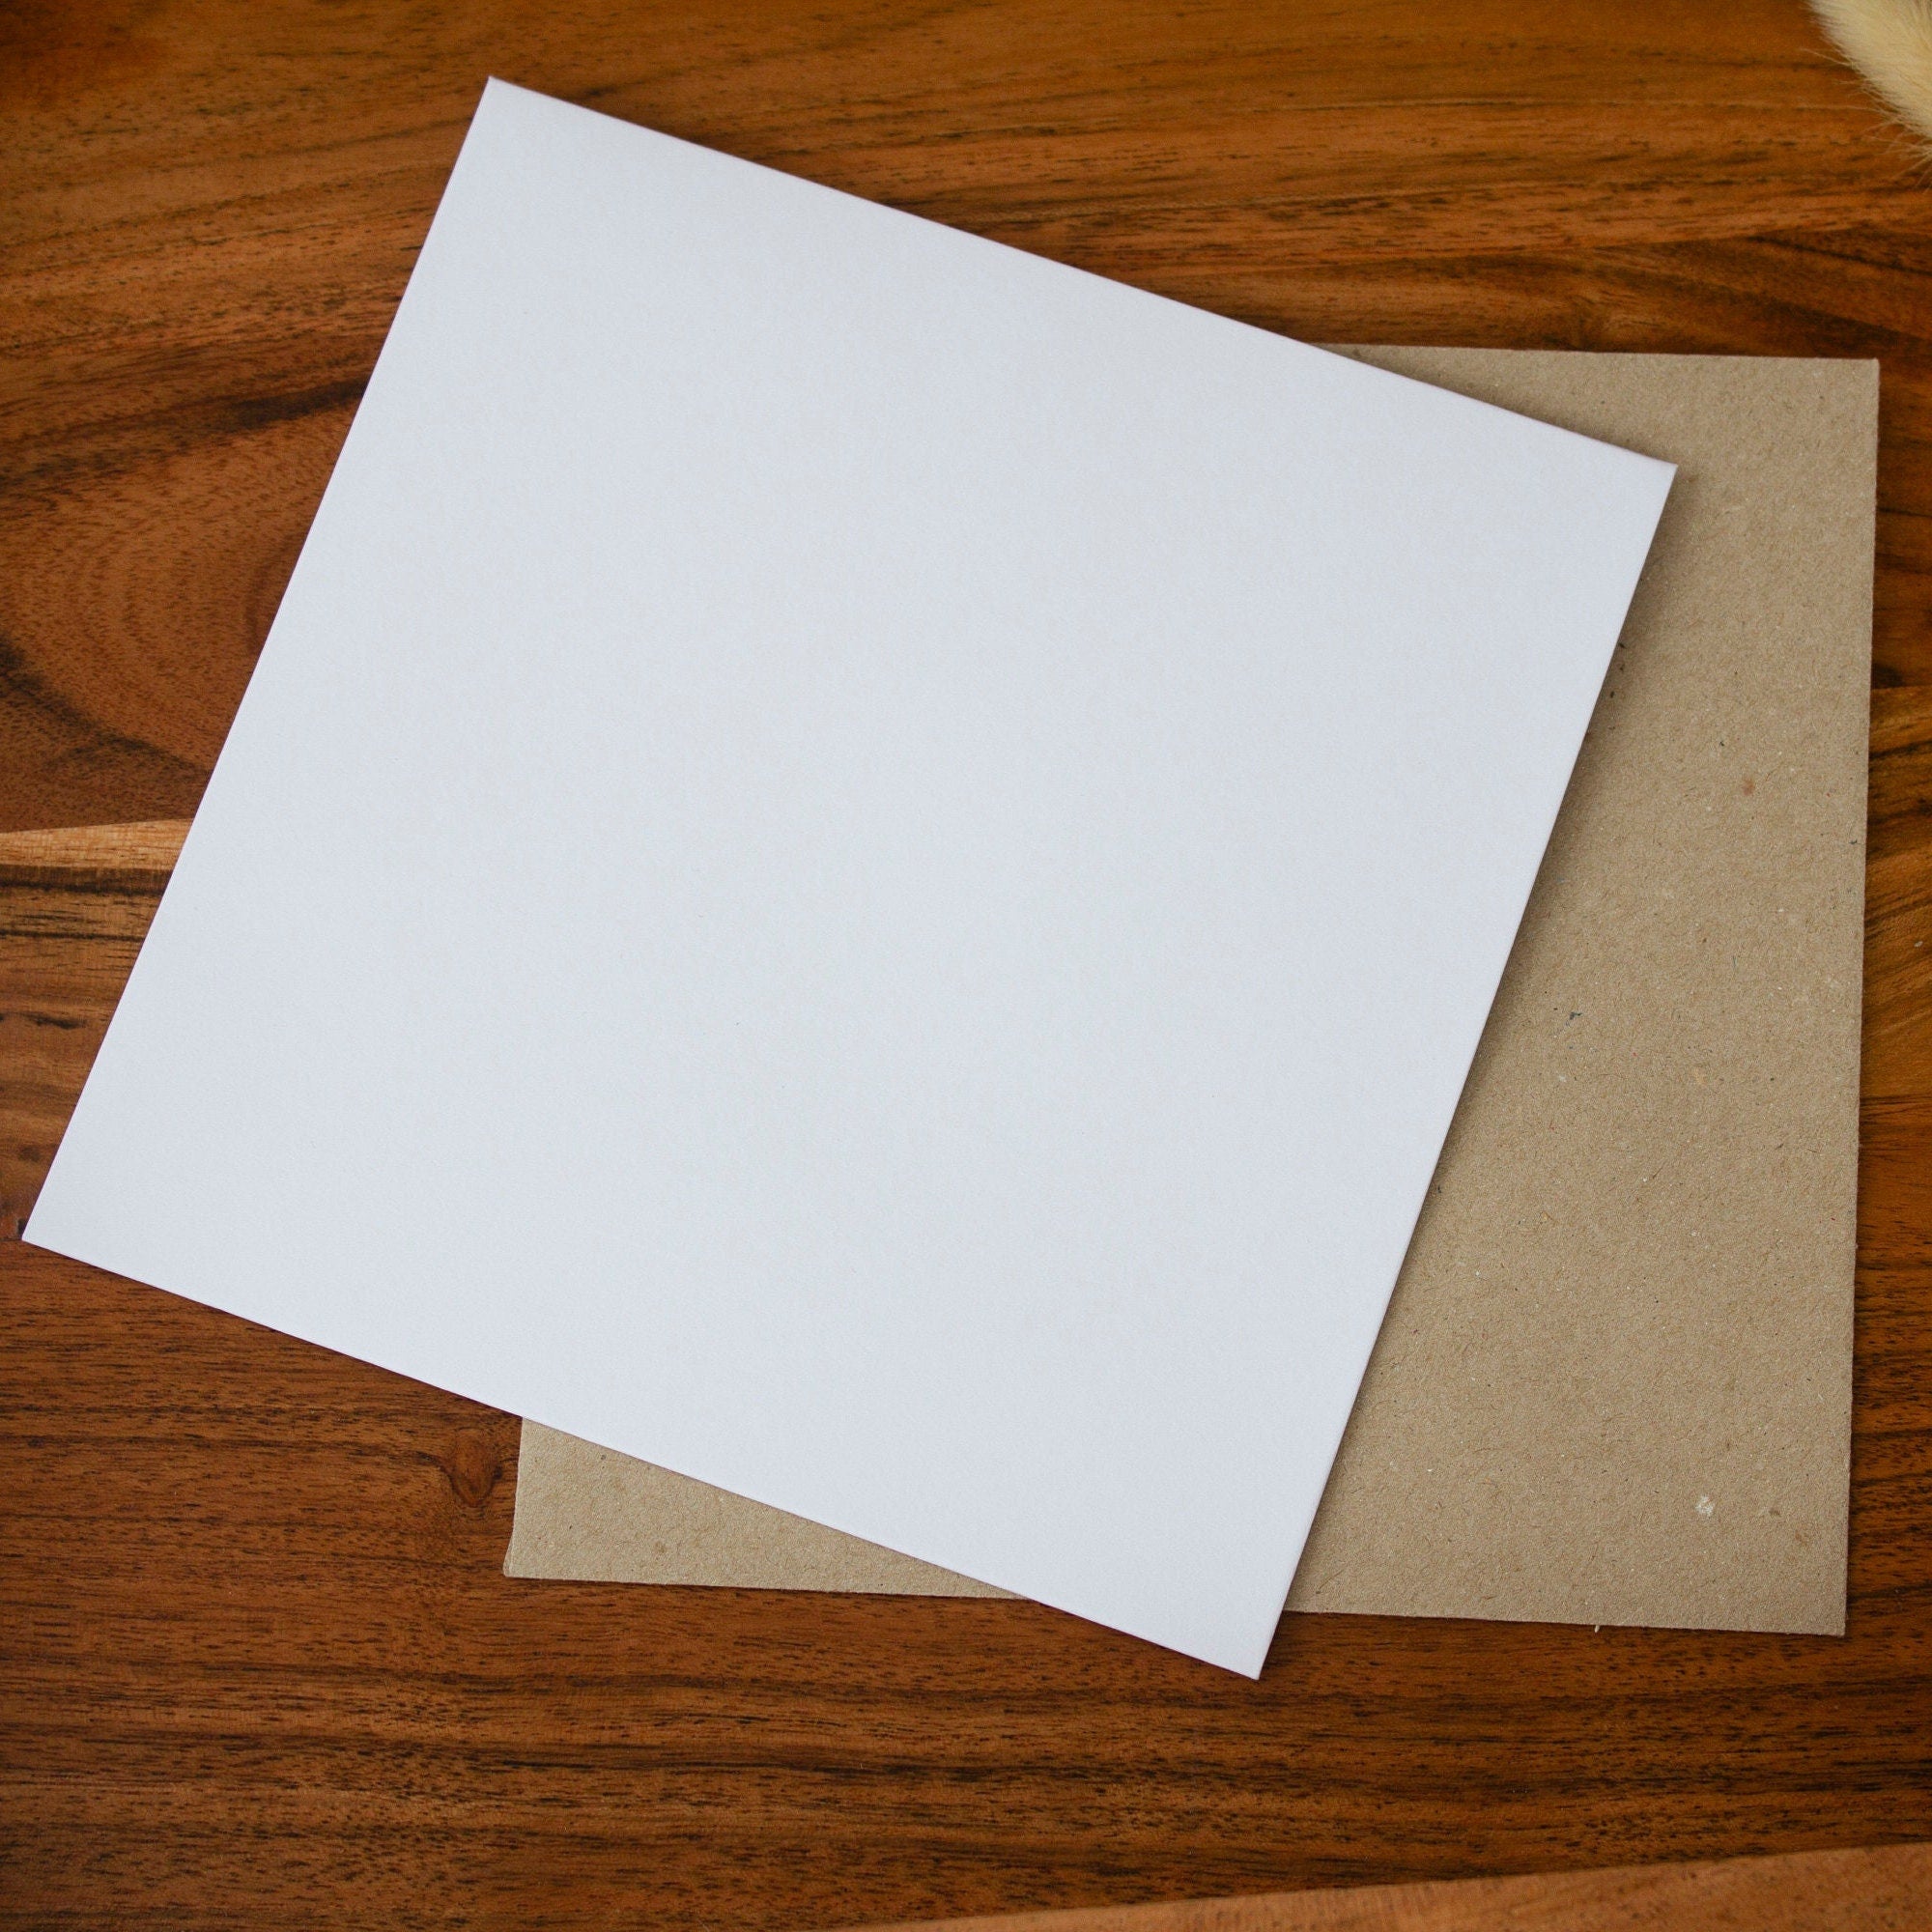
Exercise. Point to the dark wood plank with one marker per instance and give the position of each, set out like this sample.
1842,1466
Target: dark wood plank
257,1660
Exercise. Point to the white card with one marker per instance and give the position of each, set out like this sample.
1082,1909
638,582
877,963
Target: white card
865,867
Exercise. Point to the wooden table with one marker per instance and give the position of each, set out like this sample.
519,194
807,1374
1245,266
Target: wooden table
258,1665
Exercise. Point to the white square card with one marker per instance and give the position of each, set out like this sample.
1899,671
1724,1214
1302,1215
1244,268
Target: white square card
865,867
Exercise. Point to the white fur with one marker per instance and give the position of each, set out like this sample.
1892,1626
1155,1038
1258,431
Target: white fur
1891,43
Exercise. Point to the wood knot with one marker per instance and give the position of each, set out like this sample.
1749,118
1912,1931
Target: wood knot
472,1467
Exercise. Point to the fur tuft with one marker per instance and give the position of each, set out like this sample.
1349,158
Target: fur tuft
1889,42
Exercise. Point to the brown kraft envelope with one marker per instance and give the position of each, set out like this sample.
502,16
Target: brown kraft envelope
1614,1385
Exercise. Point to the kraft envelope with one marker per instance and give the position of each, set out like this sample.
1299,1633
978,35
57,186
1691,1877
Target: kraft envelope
924,838
1614,1385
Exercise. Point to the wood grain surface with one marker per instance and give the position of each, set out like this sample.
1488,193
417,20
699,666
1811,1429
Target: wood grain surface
257,1660
1887,1888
